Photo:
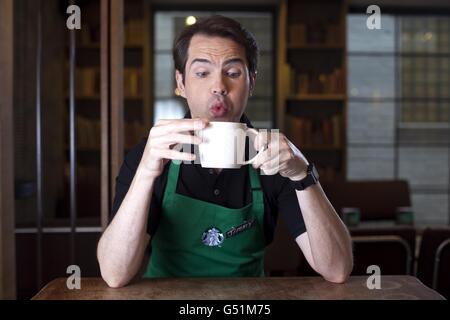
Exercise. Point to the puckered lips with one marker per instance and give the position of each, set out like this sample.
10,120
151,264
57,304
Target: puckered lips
218,109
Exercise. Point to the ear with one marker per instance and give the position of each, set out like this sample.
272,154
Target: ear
252,83
180,84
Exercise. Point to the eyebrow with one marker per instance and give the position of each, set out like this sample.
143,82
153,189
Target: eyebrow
227,62
200,60
234,60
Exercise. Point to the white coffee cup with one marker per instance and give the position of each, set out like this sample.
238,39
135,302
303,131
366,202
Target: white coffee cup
223,144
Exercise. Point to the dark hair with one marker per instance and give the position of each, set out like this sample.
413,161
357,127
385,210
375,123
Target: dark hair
221,26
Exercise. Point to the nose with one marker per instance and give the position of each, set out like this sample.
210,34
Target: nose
219,86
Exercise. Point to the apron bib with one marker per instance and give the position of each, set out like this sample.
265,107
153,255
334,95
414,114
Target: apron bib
196,238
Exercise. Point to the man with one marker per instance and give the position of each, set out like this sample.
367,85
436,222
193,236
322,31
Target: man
184,211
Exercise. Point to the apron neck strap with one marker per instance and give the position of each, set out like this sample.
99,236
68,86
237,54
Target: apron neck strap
255,185
174,171
172,179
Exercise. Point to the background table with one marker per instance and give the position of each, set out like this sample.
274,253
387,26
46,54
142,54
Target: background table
269,288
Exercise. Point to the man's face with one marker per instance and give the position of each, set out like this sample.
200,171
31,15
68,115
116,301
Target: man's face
217,82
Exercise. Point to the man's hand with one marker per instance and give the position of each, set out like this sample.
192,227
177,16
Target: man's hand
162,139
279,155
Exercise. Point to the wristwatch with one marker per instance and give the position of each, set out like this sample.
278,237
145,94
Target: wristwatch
312,176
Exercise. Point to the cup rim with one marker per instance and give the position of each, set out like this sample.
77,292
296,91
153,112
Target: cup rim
228,123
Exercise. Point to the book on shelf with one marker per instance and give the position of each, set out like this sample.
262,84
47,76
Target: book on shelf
87,82
88,35
315,133
337,132
132,82
297,34
88,133
303,83
333,34
134,32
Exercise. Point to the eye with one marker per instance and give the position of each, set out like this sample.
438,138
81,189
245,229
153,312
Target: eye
233,74
201,74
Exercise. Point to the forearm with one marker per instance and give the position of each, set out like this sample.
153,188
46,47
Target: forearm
121,248
329,239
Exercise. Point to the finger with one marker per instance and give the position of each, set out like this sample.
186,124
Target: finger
179,139
269,154
265,138
174,155
177,126
261,158
262,139
271,164
163,122
275,167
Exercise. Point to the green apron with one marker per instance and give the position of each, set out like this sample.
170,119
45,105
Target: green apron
196,238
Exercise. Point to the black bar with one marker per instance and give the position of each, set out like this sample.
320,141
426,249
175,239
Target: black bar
39,208
72,148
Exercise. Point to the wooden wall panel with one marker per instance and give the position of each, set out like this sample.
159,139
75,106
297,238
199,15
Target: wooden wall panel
7,244
105,127
116,75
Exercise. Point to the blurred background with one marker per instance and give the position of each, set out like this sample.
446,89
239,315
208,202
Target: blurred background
369,107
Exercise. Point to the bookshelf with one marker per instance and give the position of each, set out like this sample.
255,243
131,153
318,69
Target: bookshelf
312,81
137,111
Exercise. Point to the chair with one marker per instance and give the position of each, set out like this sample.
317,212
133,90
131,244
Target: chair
432,238
376,200
391,254
441,270
406,233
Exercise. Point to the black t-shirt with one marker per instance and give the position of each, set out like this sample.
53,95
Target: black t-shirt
230,188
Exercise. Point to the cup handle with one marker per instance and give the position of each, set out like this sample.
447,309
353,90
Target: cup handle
251,132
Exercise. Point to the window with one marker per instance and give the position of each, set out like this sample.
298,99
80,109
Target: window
424,69
398,111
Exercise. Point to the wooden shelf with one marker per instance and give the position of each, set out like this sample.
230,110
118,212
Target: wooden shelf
313,47
95,46
318,97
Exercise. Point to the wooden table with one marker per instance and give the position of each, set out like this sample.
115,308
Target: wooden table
281,288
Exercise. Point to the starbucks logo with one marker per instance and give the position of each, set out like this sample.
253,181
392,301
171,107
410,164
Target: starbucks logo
212,237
